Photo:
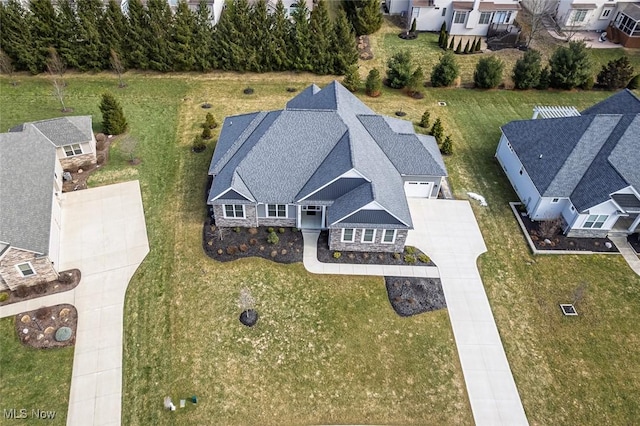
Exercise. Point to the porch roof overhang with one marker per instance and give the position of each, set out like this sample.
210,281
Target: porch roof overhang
583,6
490,6
632,10
462,5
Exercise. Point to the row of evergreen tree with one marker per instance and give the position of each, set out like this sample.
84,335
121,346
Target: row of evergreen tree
247,38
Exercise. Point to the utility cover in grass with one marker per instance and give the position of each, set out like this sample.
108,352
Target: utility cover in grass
413,295
249,317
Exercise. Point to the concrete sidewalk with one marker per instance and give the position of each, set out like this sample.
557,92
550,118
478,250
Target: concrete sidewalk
627,252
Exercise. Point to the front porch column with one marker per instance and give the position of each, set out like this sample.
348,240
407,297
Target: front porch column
635,224
323,224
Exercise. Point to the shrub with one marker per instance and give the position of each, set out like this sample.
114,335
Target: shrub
570,66
424,258
373,85
270,229
413,26
544,79
399,69
206,133
210,121
22,291
445,41
526,72
488,73
232,250
237,229
4,296
445,71
253,241
410,249
396,256
616,74
437,131
452,43
113,120
65,278
410,258
336,255
467,47
447,146
441,37
281,230
43,313
416,81
352,79
424,120
478,45
273,238
199,144
40,288
549,228
634,83
243,247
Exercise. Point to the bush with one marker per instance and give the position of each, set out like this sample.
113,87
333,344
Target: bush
281,230
243,247
396,256
459,47
447,146
65,278
413,26
452,42
273,238
544,79
199,144
634,83
113,120
237,229
206,133
445,72
43,313
399,69
424,258
40,288
488,74
352,79
570,66
526,72
416,82
22,291
616,74
410,249
210,121
437,131
410,258
373,85
4,297
467,47
336,255
232,250
270,230
253,242
424,120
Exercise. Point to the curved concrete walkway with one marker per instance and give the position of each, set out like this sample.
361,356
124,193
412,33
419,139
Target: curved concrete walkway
627,252
448,232
104,235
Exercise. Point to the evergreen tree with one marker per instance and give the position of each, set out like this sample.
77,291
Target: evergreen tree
437,131
343,45
488,73
135,48
570,66
182,42
16,36
157,36
301,39
221,40
416,82
243,50
113,30
210,121
113,120
478,45
261,24
202,38
473,45
278,37
447,146
92,54
441,38
425,119
526,72
399,69
67,33
445,71
373,84
43,29
368,17
206,132
634,83
544,82
452,43
413,26
445,41
352,79
321,32
466,47
616,74
459,47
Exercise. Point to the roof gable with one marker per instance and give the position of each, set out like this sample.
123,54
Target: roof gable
66,130
623,102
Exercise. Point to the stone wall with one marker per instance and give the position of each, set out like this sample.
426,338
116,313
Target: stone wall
249,221
275,222
12,276
335,235
78,161
588,233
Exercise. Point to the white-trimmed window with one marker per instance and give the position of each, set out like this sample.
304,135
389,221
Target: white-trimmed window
595,221
606,13
459,17
368,235
277,210
26,269
578,16
234,211
485,18
348,235
388,236
73,149
555,200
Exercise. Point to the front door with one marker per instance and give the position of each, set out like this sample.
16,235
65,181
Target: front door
311,217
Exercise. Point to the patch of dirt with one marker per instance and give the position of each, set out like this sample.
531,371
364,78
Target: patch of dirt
411,295
364,48
67,280
561,242
365,258
37,329
238,243
634,241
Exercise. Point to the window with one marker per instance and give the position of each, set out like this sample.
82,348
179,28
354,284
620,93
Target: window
627,25
485,18
444,11
595,221
389,236
348,235
459,17
71,150
276,210
555,200
605,13
368,235
26,269
235,211
578,16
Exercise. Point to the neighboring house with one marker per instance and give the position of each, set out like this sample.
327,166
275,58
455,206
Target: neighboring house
326,161
473,18
583,168
289,5
32,159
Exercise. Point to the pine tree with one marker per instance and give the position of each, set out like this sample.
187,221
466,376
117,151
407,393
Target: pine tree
368,17
92,54
473,45
445,41
343,45
445,71
416,82
526,72
135,48
413,26
321,31
373,84
488,73
113,30
278,37
243,50
466,47
437,131
156,35
202,38
451,44
478,45
447,146
206,132
221,40
352,79
301,39
182,42
260,23
113,120
399,69
43,29
425,119
570,66
17,41
67,33
210,121
459,47
442,40
616,74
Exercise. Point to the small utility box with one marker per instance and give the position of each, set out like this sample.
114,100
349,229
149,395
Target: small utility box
568,309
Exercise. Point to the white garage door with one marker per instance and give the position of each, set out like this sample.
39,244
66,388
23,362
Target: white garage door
417,189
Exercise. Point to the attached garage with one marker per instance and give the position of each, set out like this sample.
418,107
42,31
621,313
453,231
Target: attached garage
418,189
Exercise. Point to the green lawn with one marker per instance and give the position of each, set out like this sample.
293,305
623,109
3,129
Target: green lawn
330,349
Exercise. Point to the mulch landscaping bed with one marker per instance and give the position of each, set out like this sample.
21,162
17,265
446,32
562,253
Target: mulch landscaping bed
80,176
67,280
238,243
39,328
411,295
364,48
364,258
634,241
560,242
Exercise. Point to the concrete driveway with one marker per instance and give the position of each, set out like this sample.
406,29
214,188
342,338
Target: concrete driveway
448,232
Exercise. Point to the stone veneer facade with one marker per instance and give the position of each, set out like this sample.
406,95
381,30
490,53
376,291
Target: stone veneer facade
249,221
588,233
12,277
335,235
78,161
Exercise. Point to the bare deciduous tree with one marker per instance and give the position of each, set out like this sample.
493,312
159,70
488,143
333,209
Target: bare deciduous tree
536,11
570,24
548,228
56,68
246,300
117,66
127,146
6,66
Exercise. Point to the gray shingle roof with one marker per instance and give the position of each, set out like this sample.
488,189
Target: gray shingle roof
66,130
27,166
283,156
585,158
